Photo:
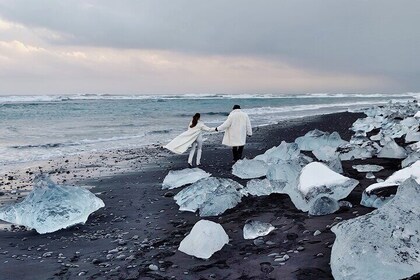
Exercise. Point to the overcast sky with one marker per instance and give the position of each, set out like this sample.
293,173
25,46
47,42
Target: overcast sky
217,46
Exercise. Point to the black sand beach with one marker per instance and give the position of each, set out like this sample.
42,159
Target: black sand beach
141,225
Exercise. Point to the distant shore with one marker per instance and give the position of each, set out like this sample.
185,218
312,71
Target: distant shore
141,225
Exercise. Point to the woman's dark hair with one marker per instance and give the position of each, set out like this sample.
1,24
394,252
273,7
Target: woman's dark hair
195,120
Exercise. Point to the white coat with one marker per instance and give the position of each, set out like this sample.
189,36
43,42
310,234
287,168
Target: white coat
182,142
237,126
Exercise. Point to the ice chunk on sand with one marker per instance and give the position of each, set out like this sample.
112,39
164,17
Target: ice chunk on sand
413,157
383,244
353,151
325,153
285,151
392,150
254,229
377,194
323,205
335,164
179,178
50,207
205,238
317,180
211,196
412,136
367,168
285,172
367,124
417,115
249,168
315,139
259,187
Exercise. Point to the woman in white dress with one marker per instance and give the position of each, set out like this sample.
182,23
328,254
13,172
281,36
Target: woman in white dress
193,136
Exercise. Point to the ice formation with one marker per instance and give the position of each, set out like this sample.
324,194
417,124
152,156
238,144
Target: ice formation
249,168
354,151
367,168
254,229
323,205
412,158
211,196
392,150
260,187
383,244
179,178
317,180
284,152
50,207
376,194
325,153
205,238
315,139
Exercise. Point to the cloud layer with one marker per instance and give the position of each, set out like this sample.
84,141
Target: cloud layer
208,46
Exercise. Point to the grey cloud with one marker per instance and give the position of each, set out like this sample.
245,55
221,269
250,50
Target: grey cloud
377,37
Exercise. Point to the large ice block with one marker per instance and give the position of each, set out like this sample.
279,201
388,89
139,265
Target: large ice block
254,229
179,178
353,151
392,150
249,168
205,238
412,158
50,207
260,187
323,205
317,180
211,196
285,151
383,244
315,139
376,195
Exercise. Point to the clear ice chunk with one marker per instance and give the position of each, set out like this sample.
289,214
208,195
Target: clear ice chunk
392,150
376,195
254,229
210,196
317,180
260,187
325,153
412,136
412,158
367,124
324,205
205,238
335,164
285,151
367,168
179,178
383,244
249,168
315,139
50,207
353,151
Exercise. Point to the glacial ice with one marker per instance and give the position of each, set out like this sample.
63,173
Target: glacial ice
412,158
367,168
254,229
50,207
412,136
179,178
323,205
367,124
325,153
284,152
335,164
205,238
317,180
211,196
392,150
287,171
383,244
315,139
371,197
260,187
249,168
417,115
353,151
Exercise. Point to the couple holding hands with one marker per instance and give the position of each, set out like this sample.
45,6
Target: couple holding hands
236,127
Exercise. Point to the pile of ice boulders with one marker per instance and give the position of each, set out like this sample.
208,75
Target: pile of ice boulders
383,244
50,207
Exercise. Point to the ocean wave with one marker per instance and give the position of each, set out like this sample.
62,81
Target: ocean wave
163,131
310,107
76,143
11,99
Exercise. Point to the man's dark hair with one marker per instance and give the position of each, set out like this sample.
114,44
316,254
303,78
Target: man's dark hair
236,107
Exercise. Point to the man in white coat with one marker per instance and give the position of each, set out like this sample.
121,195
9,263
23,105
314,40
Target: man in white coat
236,127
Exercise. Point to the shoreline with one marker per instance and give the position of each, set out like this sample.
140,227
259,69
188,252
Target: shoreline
141,225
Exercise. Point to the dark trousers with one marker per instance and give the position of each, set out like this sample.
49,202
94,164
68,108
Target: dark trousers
237,152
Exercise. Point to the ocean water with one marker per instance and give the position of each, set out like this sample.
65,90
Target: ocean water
34,128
